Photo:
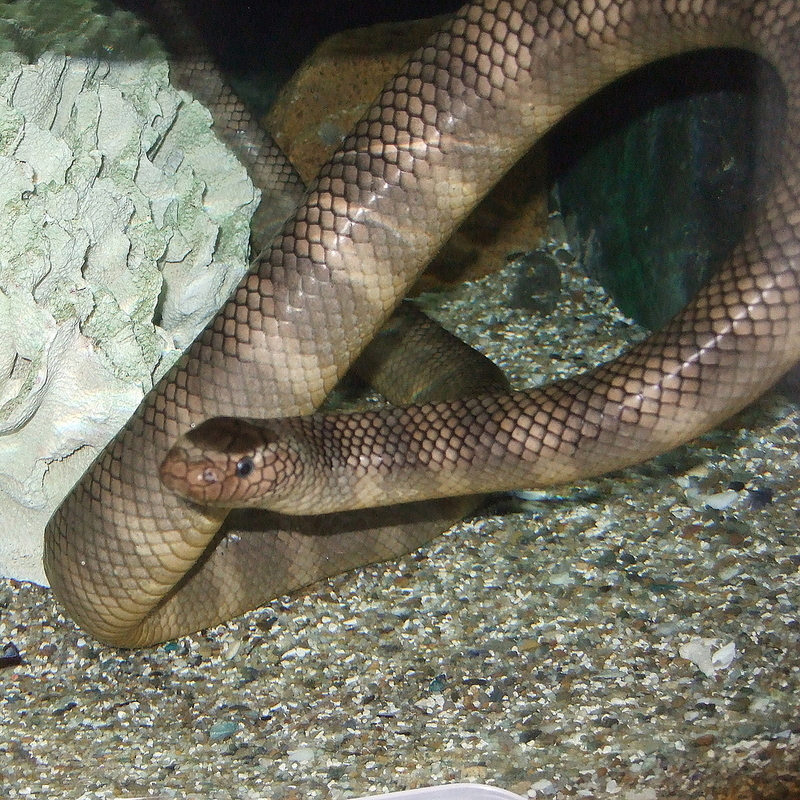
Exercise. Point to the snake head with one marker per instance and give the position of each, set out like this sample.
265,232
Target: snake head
226,462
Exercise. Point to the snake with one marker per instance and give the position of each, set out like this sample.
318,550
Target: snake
141,551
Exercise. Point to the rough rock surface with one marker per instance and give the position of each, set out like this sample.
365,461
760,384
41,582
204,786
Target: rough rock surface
123,226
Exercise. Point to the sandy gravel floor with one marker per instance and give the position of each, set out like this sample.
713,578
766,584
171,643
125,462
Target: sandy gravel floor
632,637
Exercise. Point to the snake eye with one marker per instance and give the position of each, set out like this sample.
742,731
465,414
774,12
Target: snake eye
244,467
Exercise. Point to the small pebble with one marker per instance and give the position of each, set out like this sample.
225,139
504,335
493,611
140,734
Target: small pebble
10,656
302,754
222,730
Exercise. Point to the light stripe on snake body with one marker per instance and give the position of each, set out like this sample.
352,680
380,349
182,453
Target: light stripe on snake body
135,563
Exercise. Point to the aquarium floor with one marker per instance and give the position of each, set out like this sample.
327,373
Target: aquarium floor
632,637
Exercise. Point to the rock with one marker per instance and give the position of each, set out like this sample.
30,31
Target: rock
124,226
655,175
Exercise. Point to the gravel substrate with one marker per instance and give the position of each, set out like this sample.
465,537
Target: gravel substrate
631,637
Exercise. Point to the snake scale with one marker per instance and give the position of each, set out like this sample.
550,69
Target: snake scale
134,563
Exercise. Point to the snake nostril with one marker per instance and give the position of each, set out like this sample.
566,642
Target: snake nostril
209,476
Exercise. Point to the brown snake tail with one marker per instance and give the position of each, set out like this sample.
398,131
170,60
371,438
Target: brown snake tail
134,563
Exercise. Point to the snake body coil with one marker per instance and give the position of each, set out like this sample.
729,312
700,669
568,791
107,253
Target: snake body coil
134,563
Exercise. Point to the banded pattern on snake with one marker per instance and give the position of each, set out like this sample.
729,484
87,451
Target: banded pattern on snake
135,563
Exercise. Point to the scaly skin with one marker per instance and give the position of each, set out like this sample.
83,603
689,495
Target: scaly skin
134,563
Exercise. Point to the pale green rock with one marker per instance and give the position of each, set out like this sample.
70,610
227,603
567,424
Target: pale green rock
110,261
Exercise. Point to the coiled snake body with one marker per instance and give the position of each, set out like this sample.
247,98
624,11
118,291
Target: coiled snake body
134,563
